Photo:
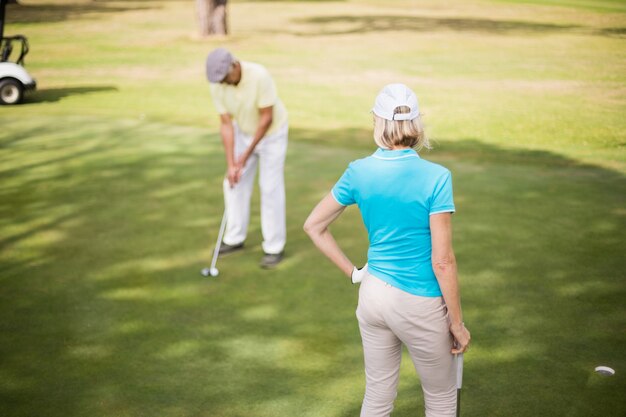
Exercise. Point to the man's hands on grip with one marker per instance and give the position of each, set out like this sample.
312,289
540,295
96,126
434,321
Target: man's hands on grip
233,174
235,171
358,274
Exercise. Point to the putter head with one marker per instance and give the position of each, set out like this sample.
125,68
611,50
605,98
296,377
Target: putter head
209,272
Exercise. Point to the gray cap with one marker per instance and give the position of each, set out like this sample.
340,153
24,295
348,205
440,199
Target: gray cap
218,64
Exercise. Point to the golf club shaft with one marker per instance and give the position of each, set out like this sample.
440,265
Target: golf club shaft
218,244
459,382
459,371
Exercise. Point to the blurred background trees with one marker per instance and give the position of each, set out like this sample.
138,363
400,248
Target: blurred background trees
212,17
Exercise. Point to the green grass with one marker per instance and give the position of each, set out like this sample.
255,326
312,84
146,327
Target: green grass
110,201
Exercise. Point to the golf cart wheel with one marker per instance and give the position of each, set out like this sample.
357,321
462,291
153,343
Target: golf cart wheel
11,91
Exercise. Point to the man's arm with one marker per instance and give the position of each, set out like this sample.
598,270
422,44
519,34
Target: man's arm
228,140
265,121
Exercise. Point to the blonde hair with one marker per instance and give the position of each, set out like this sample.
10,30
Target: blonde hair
392,133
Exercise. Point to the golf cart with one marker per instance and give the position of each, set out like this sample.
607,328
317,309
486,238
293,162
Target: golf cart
14,80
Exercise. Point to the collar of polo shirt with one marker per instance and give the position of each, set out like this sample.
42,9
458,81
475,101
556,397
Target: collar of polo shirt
391,154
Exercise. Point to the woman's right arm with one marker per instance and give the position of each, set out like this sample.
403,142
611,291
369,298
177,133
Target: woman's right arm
316,226
444,266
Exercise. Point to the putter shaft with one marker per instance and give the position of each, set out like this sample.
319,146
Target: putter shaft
459,382
218,244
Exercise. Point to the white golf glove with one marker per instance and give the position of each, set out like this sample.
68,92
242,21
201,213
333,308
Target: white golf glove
358,274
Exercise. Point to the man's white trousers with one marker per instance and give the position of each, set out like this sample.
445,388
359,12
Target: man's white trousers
269,156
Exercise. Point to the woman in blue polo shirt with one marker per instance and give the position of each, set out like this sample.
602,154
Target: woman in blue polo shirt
409,290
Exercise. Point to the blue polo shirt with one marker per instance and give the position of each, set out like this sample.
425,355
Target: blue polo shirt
396,192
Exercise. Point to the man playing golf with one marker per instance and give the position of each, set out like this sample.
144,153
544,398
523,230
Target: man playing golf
253,126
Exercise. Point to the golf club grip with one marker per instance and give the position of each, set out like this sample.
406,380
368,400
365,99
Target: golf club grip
459,371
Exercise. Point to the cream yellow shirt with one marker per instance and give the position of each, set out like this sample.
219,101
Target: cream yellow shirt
243,101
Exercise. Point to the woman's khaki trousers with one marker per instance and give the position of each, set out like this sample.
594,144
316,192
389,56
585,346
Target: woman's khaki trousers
388,318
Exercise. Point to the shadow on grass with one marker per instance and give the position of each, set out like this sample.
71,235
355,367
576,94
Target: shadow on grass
613,32
51,95
40,13
349,24
105,313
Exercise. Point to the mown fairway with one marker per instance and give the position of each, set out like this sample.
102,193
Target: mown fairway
110,201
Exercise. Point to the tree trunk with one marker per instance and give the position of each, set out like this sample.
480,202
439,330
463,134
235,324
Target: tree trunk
212,17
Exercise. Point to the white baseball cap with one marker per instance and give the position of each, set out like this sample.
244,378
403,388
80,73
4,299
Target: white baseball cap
393,96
